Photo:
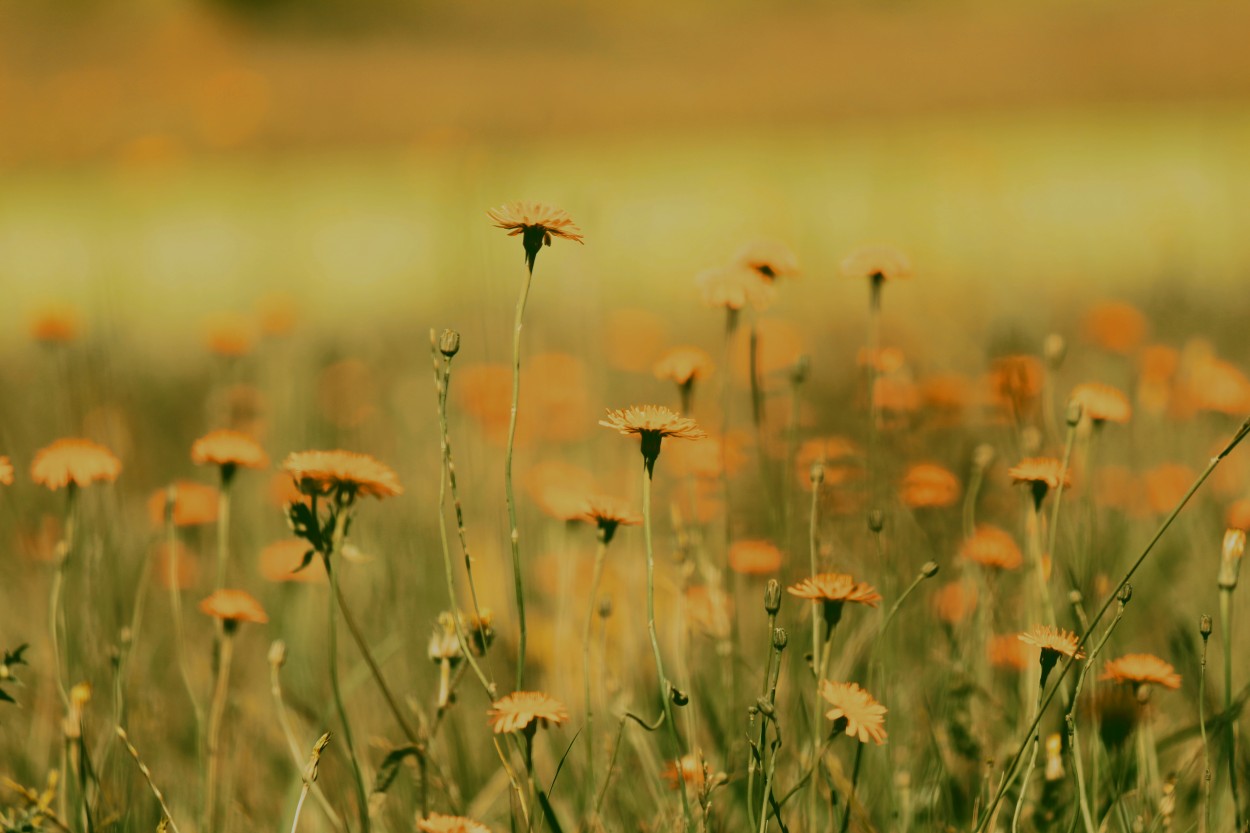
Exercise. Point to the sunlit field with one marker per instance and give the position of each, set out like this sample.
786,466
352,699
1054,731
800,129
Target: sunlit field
873,473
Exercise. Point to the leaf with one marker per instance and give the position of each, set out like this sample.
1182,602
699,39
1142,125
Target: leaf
5,698
549,813
15,657
308,557
389,769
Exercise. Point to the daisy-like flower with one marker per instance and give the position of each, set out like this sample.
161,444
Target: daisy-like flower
1041,474
769,258
733,288
1102,403
929,485
1142,669
526,711
607,513
854,711
233,607
754,558
684,365
536,223
833,590
877,263
1054,642
230,450
6,471
652,423
439,823
74,461
990,546
343,473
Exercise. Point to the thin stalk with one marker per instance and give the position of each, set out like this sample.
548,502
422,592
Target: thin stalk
758,751
1204,816
55,613
818,628
665,686
175,606
514,536
1233,442
600,555
216,712
850,799
223,528
147,776
362,795
1230,738
874,347
284,720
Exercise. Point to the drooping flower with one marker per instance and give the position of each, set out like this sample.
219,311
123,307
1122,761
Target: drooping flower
76,461
345,473
1142,669
526,711
855,711
536,223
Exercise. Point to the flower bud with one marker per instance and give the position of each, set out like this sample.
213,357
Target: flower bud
277,653
876,520
772,597
449,343
1230,559
929,569
1204,627
680,698
1072,415
780,638
1054,349
817,473
983,455
1125,594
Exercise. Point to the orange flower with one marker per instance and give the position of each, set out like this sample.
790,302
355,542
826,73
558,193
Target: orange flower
55,324
6,471
754,558
883,360
1115,326
194,504
1017,381
1142,669
769,258
1219,386
1007,651
80,462
439,823
230,449
343,472
949,392
229,334
693,772
526,711
1157,363
1053,642
855,711
833,590
734,287
234,606
652,423
1041,474
559,488
607,513
929,485
1238,516
683,365
990,546
279,560
1102,403
880,263
276,313
536,223
954,601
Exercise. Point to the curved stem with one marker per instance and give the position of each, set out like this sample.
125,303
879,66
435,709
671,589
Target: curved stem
514,535
55,614
665,686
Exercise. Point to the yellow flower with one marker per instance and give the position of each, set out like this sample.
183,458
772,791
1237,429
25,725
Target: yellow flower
526,711
863,716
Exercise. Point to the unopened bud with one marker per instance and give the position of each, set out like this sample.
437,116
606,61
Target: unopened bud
780,638
1054,348
605,607
1125,594
1204,626
772,597
983,455
762,706
1230,559
876,520
929,569
449,343
801,369
277,653
817,473
680,698
1073,415
1075,597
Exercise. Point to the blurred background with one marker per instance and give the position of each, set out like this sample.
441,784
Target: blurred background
164,162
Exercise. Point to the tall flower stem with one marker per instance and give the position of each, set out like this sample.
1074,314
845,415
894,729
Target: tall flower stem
175,606
1233,442
1204,816
216,712
275,688
362,796
591,603
1230,737
223,526
514,534
665,686
56,624
818,627
850,798
874,348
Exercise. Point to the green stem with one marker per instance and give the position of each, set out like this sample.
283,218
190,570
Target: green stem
1230,738
216,712
600,554
818,628
514,535
275,688
850,799
666,700
1204,817
55,614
